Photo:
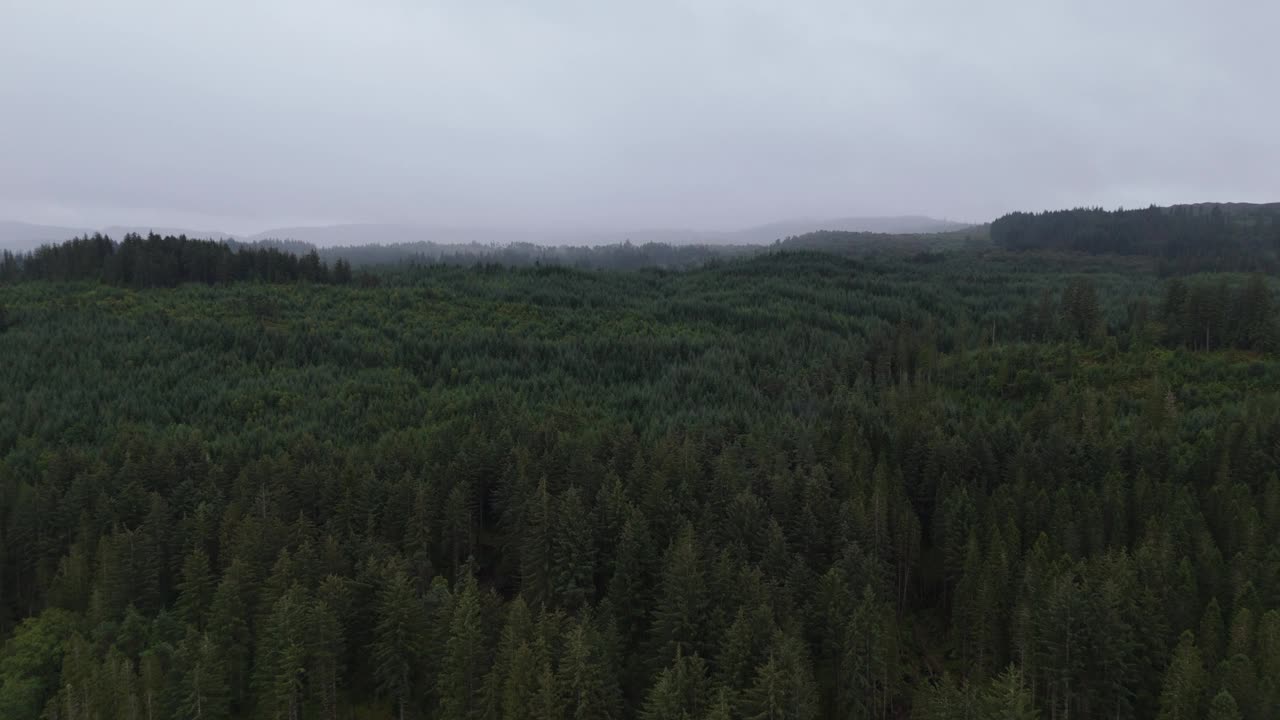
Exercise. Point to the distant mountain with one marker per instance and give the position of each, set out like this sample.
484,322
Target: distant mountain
20,236
118,231
388,234
25,236
905,225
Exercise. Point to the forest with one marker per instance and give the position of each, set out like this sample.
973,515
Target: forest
1187,238
1014,479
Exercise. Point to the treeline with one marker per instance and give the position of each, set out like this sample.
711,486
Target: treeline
1188,238
622,256
923,246
156,261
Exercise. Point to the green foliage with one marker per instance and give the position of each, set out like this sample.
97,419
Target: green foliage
964,484
1236,236
398,640
31,660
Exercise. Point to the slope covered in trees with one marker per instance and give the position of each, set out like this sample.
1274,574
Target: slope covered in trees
1233,236
165,261
156,261
790,486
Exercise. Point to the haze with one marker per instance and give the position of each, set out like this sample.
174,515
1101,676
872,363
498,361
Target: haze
707,115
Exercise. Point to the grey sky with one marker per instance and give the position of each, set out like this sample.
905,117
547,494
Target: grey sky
243,115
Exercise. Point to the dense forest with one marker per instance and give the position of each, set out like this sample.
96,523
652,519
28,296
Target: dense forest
1222,236
156,261
951,482
166,261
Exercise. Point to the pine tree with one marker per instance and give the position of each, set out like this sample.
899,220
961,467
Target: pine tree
325,660
547,704
465,660
195,590
203,693
969,617
746,646
154,682
1241,633
573,551
721,707
1184,682
1007,697
82,690
283,654
342,272
1210,638
229,627
1238,677
537,548
868,663
784,688
1224,707
587,681
681,606
122,682
1267,658
631,585
1081,310
398,641
680,691
520,684
517,633
833,604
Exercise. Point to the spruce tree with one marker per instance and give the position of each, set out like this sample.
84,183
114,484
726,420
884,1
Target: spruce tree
398,642
466,659
1184,682
203,693
1224,707
681,603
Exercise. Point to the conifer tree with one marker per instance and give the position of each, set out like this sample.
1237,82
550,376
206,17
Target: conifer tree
203,693
398,641
283,654
465,660
195,589
680,691
324,660
783,688
681,604
1184,682
1008,697
587,681
1224,707
573,551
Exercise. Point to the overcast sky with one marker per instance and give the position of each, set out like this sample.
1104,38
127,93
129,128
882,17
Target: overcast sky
240,115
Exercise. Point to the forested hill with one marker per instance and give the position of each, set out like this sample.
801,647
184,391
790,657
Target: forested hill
839,242
156,261
166,261
1230,236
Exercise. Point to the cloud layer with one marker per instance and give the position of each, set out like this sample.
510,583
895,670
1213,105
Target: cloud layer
713,114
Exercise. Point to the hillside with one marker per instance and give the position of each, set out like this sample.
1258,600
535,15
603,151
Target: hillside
1218,235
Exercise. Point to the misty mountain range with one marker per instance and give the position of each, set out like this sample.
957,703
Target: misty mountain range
20,236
